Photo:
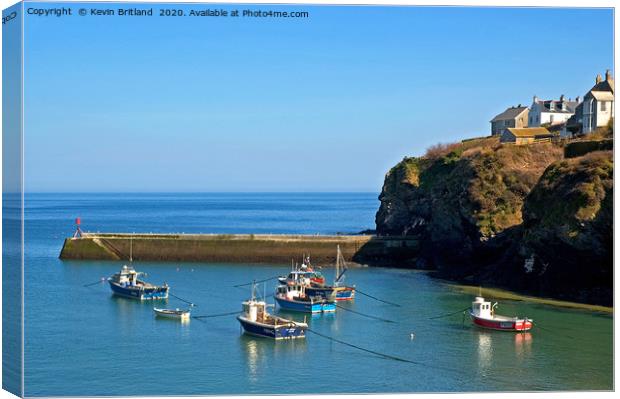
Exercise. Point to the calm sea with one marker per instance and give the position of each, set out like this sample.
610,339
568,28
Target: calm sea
83,341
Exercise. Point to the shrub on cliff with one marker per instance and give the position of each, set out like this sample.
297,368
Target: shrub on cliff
582,183
582,147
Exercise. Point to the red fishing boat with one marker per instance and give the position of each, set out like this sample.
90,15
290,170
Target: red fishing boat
483,315
305,274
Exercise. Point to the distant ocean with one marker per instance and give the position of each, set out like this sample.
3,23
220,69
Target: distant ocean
277,213
82,341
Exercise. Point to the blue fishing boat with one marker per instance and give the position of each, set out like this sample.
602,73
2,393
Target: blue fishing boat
126,283
292,296
255,320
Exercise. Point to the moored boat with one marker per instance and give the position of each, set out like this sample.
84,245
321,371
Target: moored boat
126,283
338,291
255,320
483,315
178,314
304,273
292,296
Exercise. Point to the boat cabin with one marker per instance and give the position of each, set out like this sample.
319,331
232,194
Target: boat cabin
482,308
254,310
292,290
128,276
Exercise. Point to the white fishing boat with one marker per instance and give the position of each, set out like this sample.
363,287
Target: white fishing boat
178,314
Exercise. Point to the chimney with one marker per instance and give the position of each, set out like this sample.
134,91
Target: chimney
599,79
577,99
607,75
535,98
562,98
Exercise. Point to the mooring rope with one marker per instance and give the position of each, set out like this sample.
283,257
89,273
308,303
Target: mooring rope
448,314
377,299
216,315
183,300
385,355
98,282
537,325
256,282
365,315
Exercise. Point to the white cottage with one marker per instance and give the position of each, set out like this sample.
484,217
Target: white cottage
598,104
551,112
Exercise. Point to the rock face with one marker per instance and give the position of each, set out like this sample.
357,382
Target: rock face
458,200
567,229
481,210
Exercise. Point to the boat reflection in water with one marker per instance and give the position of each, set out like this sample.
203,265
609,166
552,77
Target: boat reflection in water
485,352
523,345
260,353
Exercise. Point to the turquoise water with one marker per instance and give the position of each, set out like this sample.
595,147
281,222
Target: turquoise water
84,341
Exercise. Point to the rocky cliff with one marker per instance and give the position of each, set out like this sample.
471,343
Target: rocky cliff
515,216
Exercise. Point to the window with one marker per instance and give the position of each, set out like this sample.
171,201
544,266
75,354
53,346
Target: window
604,106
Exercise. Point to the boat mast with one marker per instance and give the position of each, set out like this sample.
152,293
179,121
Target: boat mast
337,275
130,249
340,258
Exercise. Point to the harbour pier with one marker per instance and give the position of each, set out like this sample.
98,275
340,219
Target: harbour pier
241,248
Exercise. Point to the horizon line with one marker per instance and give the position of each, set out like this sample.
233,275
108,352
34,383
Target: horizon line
198,192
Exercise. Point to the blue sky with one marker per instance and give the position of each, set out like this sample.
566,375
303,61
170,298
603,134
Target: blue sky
327,103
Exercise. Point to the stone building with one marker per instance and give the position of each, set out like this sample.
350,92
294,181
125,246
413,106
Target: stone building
511,117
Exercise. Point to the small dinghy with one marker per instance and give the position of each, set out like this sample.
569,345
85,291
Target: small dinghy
256,321
178,314
483,315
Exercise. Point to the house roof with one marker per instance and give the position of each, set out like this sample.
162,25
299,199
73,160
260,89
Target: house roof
510,113
569,106
604,85
529,131
602,95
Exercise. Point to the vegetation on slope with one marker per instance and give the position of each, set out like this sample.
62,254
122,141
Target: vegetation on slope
484,210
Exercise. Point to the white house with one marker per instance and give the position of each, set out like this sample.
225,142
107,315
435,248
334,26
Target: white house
551,112
598,104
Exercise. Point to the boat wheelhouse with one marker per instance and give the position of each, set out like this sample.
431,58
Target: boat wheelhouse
305,273
126,283
292,296
255,320
483,315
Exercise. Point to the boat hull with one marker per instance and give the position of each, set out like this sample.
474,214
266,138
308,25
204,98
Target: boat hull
502,325
133,292
174,316
279,332
305,307
332,293
345,293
